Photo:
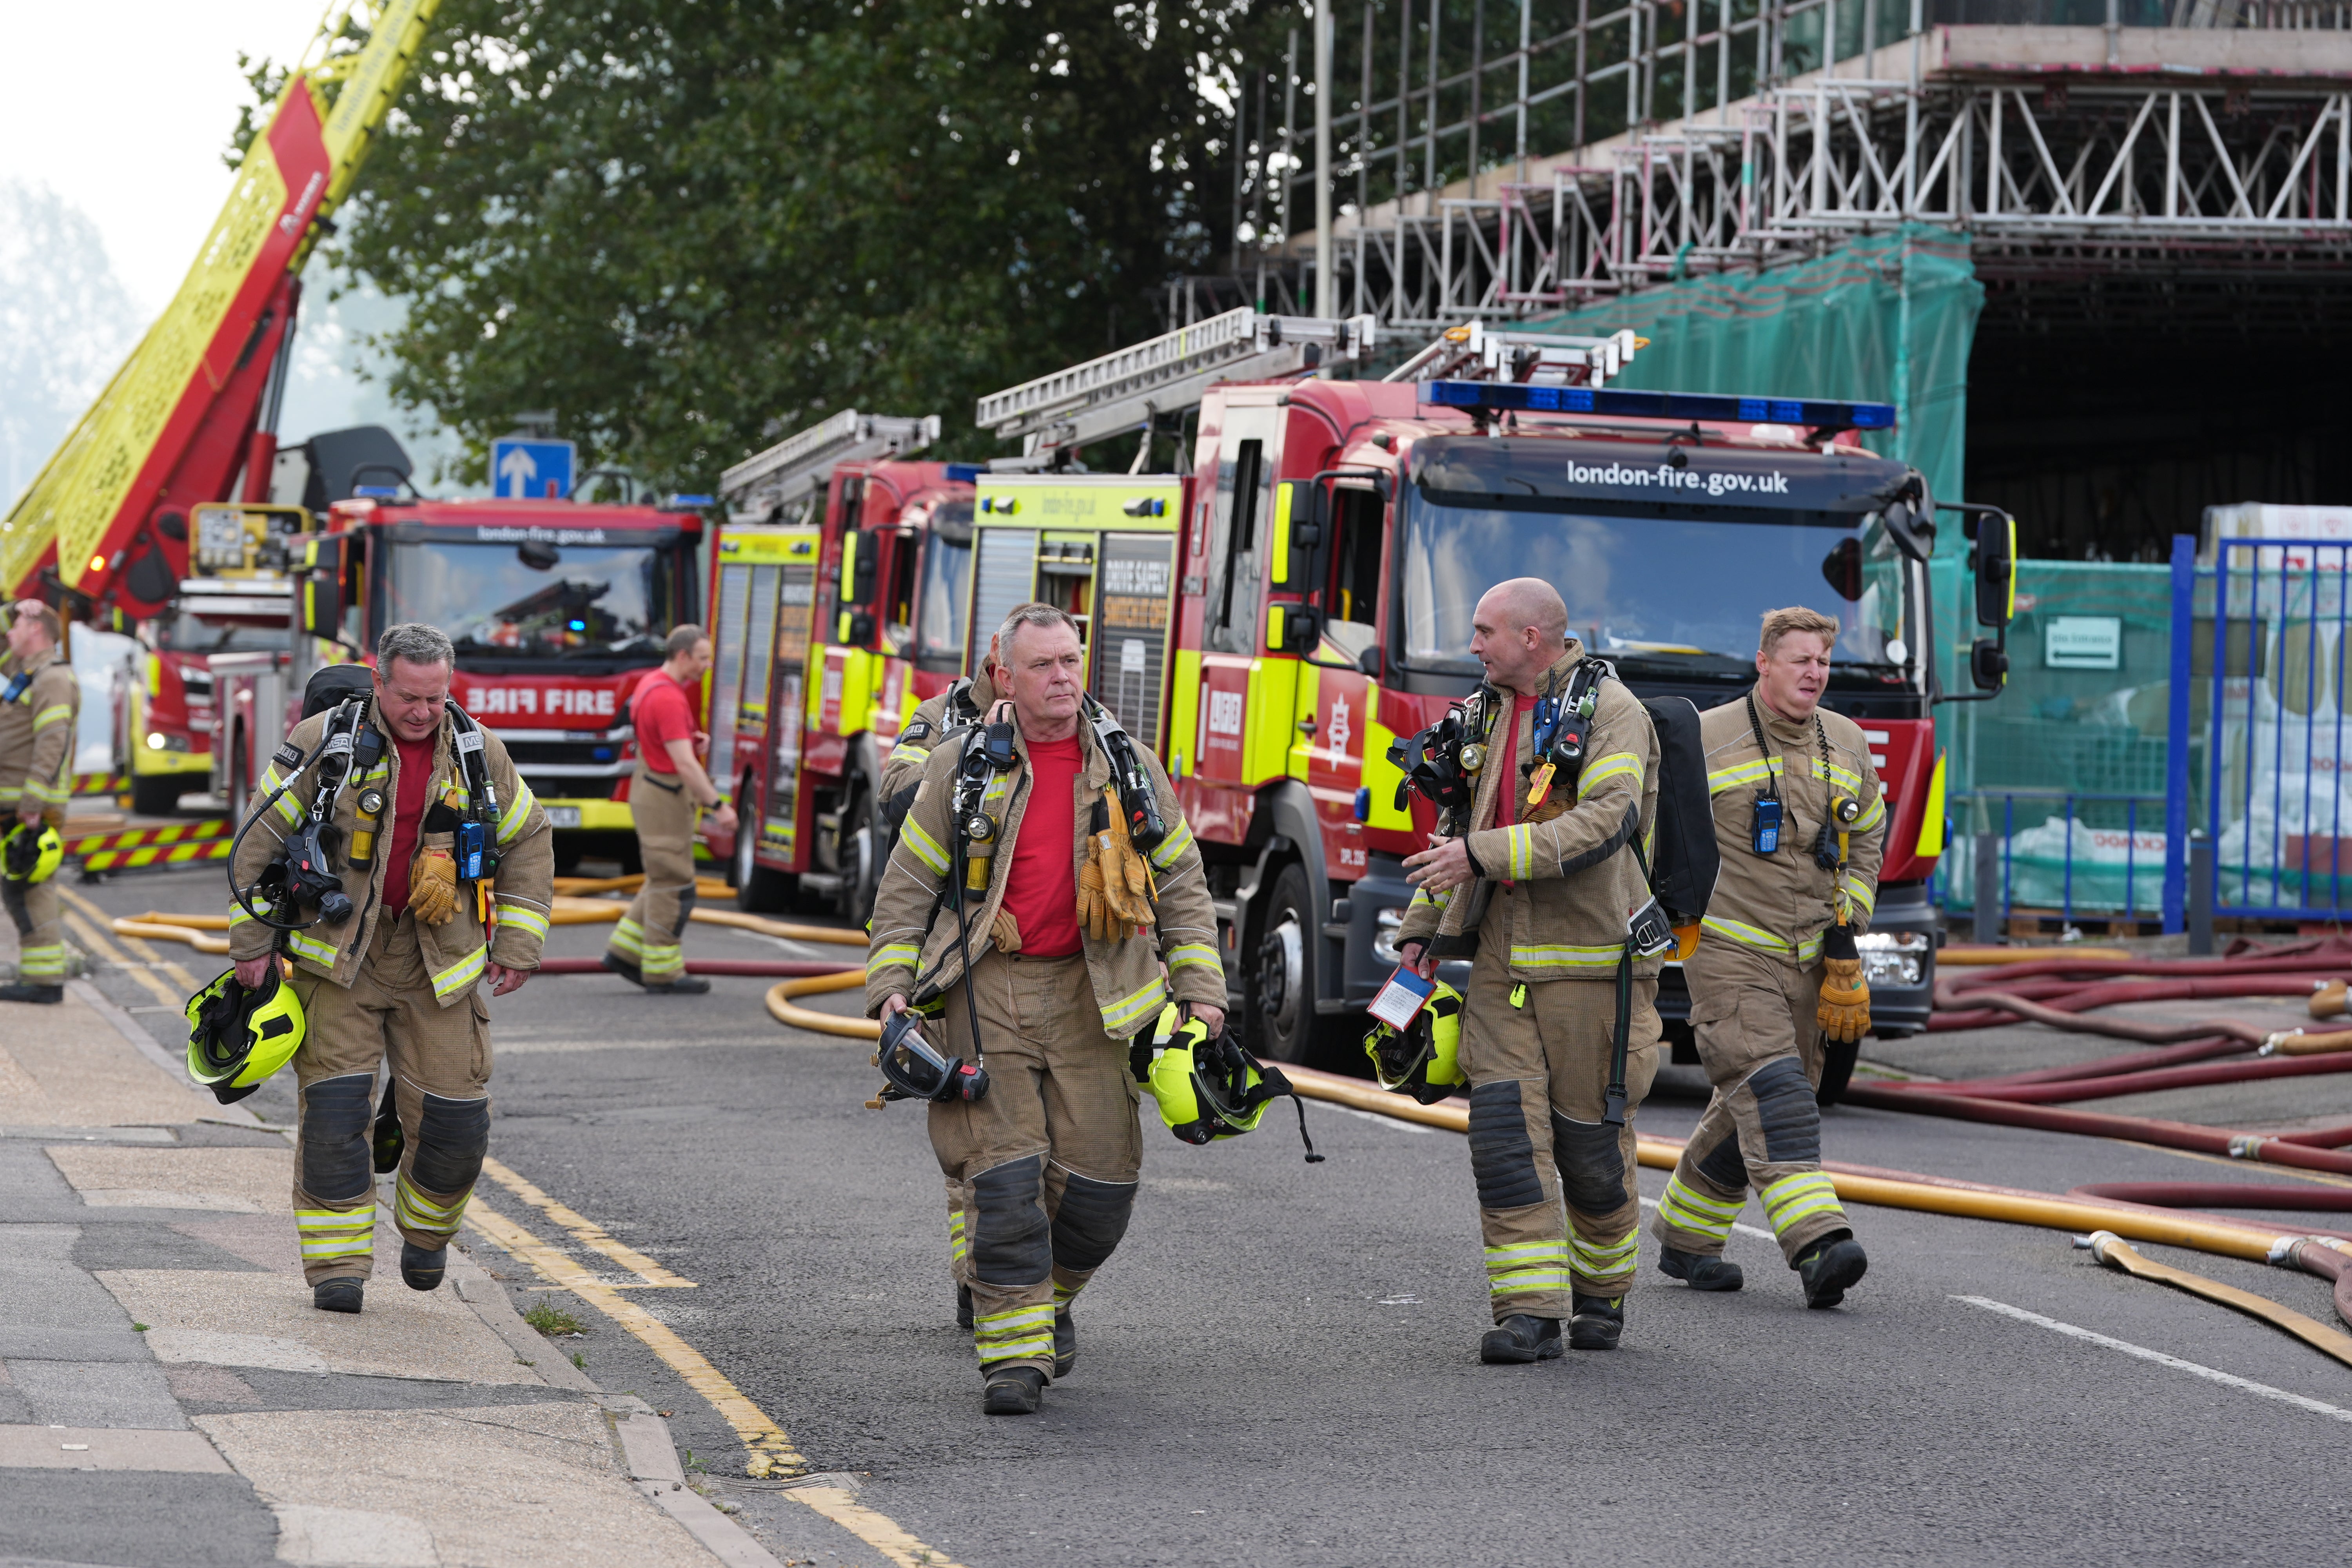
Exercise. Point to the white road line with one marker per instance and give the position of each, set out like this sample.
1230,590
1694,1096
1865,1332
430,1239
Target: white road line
2316,1407
1742,1229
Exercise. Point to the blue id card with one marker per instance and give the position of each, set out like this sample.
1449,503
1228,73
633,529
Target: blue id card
1401,998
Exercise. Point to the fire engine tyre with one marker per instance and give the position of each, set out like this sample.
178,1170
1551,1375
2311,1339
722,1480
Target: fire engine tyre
1837,1070
157,795
1279,1020
860,855
758,889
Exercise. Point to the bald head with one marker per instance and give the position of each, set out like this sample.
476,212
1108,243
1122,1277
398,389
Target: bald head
1518,630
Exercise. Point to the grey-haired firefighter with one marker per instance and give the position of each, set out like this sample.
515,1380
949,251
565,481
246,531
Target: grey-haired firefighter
937,721
39,702
422,790
1017,861
1541,884
1800,822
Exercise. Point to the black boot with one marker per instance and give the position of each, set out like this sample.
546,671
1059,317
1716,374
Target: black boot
964,1308
1829,1267
22,991
1598,1320
1520,1338
1014,1391
1700,1270
684,985
338,1295
1065,1342
420,1269
624,968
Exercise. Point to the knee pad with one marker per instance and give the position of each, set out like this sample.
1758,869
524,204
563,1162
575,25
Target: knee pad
335,1115
1591,1164
685,913
1010,1244
1790,1116
452,1136
1723,1165
1091,1218
1502,1156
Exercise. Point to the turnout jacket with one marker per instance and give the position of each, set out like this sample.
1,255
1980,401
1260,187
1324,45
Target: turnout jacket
1556,885
1781,903
911,953
37,735
963,702
453,952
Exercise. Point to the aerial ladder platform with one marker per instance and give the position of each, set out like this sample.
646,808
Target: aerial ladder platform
104,529
762,486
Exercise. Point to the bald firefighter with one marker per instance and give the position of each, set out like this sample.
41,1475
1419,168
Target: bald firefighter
1798,819
1015,854
436,871
39,702
1540,890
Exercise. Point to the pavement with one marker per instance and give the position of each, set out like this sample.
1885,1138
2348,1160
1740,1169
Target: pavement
1278,1367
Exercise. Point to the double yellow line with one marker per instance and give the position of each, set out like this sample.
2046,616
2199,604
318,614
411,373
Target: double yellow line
89,924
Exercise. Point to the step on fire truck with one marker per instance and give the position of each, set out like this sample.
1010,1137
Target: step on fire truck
839,591
1272,620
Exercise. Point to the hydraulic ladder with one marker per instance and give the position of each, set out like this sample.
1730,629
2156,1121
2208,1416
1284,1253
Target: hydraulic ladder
757,489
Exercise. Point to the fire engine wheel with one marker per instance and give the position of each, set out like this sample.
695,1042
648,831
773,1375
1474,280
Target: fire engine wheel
1837,1069
1278,1004
758,889
861,866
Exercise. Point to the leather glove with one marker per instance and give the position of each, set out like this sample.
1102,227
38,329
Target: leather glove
1844,1008
1005,932
1127,881
433,886
1095,916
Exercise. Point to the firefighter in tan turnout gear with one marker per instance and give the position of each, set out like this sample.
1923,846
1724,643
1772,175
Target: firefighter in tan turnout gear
1799,820
1015,859
399,976
39,702
1541,889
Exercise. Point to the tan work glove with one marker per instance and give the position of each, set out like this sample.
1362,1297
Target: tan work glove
432,886
1844,1008
1127,881
1005,932
1095,916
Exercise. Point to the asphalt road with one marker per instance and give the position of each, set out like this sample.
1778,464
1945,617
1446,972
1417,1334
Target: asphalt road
1280,1366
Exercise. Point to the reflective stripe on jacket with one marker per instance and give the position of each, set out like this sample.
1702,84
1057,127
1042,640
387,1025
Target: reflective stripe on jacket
36,734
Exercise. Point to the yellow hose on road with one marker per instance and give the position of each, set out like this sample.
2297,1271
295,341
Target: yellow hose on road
2112,1250
781,1008
1971,956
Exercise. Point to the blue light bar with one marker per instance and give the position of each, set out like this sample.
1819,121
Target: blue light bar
1512,395
690,501
964,473
376,492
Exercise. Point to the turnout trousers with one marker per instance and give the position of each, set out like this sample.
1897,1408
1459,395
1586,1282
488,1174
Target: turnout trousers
40,937
651,935
440,1059
1557,1201
1046,1163
1761,1046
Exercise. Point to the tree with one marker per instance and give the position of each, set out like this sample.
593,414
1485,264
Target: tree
691,226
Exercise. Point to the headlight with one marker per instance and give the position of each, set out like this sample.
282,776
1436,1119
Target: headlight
1894,959
1384,939
155,740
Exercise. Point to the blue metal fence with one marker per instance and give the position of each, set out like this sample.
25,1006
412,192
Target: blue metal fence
2080,854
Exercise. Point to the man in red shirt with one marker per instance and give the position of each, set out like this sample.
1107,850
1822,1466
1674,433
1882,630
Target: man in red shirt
1045,1162
666,793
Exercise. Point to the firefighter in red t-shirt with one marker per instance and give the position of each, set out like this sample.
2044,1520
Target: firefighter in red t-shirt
666,793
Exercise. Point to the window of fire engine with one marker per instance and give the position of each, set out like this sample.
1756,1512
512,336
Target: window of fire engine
568,602
946,584
898,603
1353,599
1664,596
187,634
1237,571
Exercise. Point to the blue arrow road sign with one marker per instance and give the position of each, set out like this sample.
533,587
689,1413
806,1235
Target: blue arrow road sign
535,470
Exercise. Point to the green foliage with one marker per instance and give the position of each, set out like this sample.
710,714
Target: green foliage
691,226
550,1319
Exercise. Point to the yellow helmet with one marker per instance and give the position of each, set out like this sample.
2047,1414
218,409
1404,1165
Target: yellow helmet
1423,1059
1210,1089
237,1038
30,852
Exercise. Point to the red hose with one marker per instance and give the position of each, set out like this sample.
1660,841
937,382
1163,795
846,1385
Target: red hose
1983,1009
2315,954
2066,1091
2220,1195
2313,1258
2099,1124
2102,1067
2320,1137
789,967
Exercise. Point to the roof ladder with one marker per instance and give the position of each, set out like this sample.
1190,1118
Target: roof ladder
799,466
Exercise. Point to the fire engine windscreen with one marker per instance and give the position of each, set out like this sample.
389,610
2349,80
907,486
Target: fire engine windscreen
1667,567
537,601
947,584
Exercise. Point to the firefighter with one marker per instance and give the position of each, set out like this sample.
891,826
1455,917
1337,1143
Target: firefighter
39,702
1016,846
1799,818
666,793
400,975
1538,893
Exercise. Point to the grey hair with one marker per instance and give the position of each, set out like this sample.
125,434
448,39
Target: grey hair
1034,614
415,642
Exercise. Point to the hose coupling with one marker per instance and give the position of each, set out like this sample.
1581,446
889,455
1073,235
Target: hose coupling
2097,1243
2281,1252
2270,1046
2246,1146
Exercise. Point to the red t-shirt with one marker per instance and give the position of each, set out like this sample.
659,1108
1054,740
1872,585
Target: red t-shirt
1507,802
1041,891
662,712
408,807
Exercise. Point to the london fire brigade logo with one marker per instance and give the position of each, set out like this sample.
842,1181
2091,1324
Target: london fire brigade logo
1336,731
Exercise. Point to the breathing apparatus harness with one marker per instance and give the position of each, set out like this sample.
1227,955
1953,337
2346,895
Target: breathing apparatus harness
302,875
961,715
1831,842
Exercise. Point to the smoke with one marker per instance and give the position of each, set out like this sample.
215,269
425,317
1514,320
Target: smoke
66,325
